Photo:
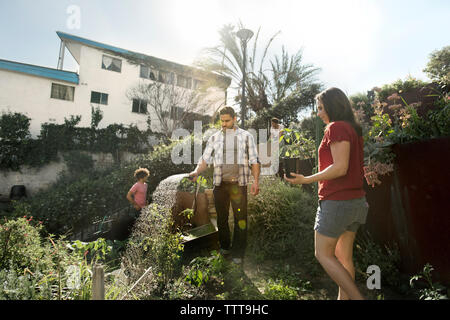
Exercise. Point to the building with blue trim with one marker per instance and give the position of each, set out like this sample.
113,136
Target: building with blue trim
106,78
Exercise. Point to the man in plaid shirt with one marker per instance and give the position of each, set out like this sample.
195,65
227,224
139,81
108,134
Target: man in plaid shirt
232,151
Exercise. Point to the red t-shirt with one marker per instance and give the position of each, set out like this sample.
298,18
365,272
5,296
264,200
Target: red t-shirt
349,186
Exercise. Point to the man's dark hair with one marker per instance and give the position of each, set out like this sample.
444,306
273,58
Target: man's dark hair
227,110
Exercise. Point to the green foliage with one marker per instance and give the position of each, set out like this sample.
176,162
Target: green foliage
280,218
17,148
20,246
190,186
294,144
367,252
202,269
78,161
278,290
438,67
432,291
400,86
153,244
14,140
32,267
76,201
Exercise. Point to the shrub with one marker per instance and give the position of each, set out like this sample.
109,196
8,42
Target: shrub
432,290
76,201
281,219
14,139
152,244
20,246
78,161
278,290
367,252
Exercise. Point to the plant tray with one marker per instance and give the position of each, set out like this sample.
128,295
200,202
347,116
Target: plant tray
199,232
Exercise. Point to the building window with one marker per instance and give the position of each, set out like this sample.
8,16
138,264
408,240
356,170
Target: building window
98,97
176,112
148,73
197,84
163,76
113,64
171,78
184,82
139,106
62,92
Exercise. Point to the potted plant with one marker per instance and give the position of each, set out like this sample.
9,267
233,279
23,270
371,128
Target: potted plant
296,152
191,195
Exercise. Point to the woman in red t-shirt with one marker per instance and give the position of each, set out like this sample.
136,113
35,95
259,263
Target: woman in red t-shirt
342,204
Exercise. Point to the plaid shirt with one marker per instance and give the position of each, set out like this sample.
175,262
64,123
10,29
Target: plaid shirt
245,142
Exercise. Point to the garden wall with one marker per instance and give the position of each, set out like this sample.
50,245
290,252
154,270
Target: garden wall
410,207
35,179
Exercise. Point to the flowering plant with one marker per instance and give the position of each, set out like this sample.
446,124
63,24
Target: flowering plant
394,121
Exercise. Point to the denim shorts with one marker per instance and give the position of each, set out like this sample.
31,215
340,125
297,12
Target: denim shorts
334,217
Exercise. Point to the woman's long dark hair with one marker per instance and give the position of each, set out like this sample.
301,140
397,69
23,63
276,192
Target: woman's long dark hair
338,107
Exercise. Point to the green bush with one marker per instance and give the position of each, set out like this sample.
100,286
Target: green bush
20,246
367,252
76,201
153,244
278,290
281,220
33,267
14,140
78,161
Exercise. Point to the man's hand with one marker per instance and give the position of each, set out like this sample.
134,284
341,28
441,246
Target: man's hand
137,207
255,188
193,175
298,179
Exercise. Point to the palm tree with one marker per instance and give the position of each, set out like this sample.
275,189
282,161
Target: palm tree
268,84
227,59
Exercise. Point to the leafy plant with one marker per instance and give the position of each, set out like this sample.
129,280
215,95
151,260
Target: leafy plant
367,252
294,144
14,140
280,218
278,290
190,186
435,290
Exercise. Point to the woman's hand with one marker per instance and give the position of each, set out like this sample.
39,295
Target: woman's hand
298,179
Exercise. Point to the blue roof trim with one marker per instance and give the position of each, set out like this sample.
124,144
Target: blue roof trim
39,71
93,43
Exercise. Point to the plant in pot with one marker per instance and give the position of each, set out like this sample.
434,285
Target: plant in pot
296,152
191,195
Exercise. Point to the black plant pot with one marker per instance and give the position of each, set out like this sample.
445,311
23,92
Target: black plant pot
290,165
303,166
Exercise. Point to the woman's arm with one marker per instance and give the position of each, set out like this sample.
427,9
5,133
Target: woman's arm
340,151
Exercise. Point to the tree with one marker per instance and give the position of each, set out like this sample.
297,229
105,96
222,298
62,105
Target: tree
438,67
273,87
171,104
227,59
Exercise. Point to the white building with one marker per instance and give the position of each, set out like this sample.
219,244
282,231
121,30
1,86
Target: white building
105,75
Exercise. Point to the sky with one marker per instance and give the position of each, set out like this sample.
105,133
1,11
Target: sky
357,44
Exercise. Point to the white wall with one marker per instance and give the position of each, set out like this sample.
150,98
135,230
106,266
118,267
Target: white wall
30,95
35,179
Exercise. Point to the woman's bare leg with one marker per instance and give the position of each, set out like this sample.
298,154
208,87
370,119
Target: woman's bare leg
344,253
325,253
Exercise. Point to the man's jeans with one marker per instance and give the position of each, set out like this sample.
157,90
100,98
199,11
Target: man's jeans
237,195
